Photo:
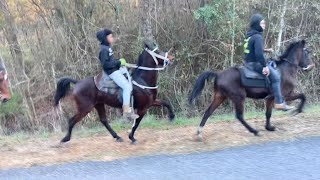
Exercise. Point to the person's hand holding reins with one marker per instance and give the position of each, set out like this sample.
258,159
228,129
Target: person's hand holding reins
123,62
266,71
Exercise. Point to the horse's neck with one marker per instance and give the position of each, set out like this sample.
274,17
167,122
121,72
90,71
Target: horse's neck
149,77
288,69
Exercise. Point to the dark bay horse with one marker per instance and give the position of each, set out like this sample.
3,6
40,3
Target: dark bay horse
5,94
227,84
88,97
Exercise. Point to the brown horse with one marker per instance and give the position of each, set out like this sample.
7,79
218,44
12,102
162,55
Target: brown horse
5,94
87,96
227,84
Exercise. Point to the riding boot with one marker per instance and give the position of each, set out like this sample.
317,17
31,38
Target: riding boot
128,112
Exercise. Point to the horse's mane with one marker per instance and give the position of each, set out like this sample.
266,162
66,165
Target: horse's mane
289,49
288,52
147,44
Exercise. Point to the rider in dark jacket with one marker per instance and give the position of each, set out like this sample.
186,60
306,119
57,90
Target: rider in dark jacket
254,49
106,58
112,67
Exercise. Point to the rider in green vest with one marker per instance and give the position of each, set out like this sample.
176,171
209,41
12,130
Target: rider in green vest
253,50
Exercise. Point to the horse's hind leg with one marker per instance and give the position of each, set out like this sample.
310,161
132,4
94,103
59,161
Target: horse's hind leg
239,106
218,99
166,104
103,119
73,121
293,97
84,106
269,105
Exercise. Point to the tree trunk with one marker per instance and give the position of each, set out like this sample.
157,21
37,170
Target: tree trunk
282,27
147,10
11,33
15,49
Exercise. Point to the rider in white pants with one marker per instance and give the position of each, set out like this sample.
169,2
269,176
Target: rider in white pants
113,68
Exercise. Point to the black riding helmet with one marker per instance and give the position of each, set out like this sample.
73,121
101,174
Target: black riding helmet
255,22
101,36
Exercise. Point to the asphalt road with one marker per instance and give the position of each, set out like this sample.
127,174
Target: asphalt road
298,159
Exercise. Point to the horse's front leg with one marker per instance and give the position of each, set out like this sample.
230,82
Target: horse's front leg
159,103
135,125
294,96
269,106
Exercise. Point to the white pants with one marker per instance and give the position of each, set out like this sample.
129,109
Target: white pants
119,78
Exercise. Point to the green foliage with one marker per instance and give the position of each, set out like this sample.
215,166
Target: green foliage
14,106
220,17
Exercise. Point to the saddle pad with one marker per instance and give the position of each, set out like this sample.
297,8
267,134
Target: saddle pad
104,83
252,79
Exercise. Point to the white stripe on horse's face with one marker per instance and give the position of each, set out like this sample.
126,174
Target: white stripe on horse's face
6,76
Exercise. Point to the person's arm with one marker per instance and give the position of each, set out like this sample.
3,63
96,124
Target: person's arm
107,61
258,50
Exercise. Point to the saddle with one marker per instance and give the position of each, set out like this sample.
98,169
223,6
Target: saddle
250,78
105,84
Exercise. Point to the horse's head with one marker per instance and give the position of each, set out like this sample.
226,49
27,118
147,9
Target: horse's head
4,84
160,57
307,64
299,54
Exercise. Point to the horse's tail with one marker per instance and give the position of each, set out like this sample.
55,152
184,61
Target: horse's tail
208,75
63,86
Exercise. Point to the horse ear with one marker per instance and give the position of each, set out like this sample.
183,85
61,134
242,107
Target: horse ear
303,42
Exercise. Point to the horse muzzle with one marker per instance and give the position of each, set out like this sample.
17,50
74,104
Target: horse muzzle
309,67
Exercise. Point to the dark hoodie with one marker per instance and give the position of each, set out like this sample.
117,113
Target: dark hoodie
106,58
254,50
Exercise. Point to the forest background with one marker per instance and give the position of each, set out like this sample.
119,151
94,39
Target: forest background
44,40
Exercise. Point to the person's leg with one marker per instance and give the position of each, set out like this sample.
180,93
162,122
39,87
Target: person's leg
123,83
275,79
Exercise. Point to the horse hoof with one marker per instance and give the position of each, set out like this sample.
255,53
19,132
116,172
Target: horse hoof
65,139
295,112
171,117
134,142
256,133
199,138
119,139
270,128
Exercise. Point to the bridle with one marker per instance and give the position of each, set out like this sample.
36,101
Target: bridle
305,51
155,57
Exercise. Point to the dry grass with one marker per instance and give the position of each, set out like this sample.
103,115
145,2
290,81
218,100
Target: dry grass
29,151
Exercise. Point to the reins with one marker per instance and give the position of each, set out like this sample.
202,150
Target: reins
154,56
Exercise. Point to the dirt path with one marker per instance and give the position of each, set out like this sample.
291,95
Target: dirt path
172,141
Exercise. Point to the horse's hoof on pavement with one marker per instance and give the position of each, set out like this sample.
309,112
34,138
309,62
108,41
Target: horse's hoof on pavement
270,128
134,142
119,139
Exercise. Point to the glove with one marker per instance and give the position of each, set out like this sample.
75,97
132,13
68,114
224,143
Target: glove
123,62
